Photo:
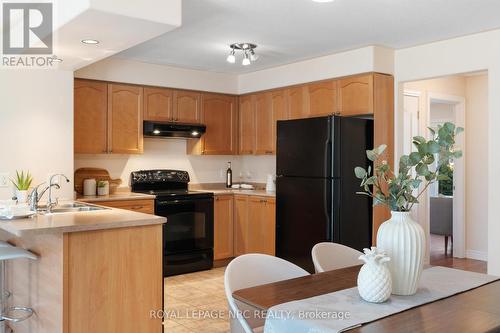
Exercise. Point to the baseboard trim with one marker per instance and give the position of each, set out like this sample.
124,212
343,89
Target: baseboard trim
476,255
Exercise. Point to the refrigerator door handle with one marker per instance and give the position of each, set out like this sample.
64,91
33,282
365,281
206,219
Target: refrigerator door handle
327,198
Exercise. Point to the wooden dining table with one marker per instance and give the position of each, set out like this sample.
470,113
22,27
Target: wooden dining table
476,310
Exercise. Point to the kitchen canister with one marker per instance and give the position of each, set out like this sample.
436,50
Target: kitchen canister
89,187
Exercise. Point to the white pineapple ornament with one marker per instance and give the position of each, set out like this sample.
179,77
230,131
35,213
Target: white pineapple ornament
374,279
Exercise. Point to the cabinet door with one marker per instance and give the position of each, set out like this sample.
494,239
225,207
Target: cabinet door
246,118
90,117
264,138
297,102
187,108
356,95
158,104
223,227
322,98
261,232
125,118
219,115
240,224
143,206
279,110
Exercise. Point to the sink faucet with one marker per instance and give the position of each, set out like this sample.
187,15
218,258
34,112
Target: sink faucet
35,197
50,202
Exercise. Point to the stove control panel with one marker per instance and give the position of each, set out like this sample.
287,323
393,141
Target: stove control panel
159,176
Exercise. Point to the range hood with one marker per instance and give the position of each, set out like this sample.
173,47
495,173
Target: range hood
160,129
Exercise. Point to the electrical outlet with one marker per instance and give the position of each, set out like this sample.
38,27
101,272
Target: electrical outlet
4,179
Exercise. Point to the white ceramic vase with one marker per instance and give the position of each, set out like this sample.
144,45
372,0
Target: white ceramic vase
374,278
22,196
404,242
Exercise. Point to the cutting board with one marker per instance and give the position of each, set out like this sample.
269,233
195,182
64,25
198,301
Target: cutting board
97,174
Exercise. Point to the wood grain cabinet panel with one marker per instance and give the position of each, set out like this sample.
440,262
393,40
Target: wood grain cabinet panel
219,115
223,227
146,206
246,128
279,110
356,95
297,102
187,106
158,104
240,225
113,293
125,103
261,232
322,98
264,129
90,117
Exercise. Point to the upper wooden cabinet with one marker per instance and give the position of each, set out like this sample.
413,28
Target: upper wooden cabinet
90,117
279,110
125,104
264,135
246,142
297,102
158,104
187,106
322,98
219,115
356,95
223,227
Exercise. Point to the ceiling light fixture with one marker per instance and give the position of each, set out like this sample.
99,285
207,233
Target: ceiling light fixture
56,59
248,50
90,41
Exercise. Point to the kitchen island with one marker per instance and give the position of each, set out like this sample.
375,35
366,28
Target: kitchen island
99,271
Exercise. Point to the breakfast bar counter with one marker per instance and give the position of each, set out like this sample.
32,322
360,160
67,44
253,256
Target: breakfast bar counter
98,271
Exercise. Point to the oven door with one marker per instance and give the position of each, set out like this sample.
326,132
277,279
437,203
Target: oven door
189,224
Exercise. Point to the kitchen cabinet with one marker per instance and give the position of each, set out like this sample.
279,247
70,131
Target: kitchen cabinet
247,135
254,224
279,110
158,104
125,107
187,106
264,135
219,115
90,117
356,95
297,102
142,206
223,227
322,97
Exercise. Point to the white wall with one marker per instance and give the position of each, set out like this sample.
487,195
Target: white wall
462,55
36,125
171,154
366,59
128,71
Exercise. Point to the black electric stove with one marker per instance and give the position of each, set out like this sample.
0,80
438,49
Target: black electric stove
188,234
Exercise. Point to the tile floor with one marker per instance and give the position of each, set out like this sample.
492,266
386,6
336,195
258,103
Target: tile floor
196,302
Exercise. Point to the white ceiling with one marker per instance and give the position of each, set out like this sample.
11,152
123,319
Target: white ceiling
291,30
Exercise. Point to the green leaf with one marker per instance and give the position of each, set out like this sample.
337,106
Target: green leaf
449,126
419,139
422,169
415,158
380,149
360,172
372,156
433,147
459,130
457,154
443,177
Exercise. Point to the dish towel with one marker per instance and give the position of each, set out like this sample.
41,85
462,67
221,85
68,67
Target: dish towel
342,310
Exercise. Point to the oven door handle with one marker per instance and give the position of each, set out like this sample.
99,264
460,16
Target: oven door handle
180,202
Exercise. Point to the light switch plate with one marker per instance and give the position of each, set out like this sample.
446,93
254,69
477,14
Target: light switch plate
4,179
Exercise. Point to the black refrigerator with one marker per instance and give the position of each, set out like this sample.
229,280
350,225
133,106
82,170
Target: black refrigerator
316,198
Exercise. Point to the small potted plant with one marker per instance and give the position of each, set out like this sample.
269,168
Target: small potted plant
102,187
22,183
400,237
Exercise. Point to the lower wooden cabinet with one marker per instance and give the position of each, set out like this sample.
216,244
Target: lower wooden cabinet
223,227
142,206
254,225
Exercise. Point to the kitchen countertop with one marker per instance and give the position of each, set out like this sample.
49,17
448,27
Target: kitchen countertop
117,196
110,218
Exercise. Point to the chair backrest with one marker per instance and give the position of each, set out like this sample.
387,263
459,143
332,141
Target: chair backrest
441,212
254,269
329,256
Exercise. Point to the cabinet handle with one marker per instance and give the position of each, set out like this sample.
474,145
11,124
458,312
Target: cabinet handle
269,151
136,207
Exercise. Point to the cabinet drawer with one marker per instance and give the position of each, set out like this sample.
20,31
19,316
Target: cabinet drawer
143,206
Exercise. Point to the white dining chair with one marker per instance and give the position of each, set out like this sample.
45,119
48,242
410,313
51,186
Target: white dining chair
251,270
328,256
